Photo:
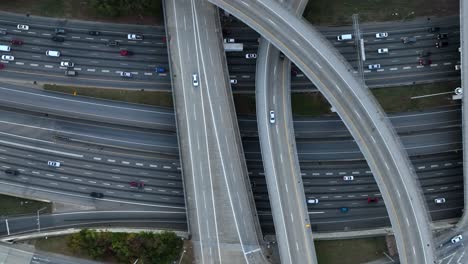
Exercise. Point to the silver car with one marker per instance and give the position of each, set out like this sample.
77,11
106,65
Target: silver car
456,239
22,27
195,80
348,178
67,64
126,74
55,164
8,58
312,201
134,37
381,35
272,117
440,200
382,50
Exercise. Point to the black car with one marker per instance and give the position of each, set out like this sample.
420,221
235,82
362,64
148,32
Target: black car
442,36
96,195
60,31
433,29
11,172
425,53
112,43
58,38
94,33
441,44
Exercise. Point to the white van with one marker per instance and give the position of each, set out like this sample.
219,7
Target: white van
5,48
345,37
53,53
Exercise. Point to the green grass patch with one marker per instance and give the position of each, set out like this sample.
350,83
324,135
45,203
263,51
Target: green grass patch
338,12
155,98
11,205
398,99
132,12
309,104
350,251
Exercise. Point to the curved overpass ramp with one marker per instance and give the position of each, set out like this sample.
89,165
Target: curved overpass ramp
359,111
278,146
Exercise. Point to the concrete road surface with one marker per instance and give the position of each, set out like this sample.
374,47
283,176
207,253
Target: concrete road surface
222,217
366,121
279,154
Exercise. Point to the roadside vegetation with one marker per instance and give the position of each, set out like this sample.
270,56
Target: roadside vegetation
115,11
147,247
11,205
339,12
392,99
399,99
350,251
154,98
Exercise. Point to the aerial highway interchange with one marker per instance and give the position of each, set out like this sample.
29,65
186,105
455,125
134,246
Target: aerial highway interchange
130,153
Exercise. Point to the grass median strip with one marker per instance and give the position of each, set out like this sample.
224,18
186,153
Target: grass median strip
154,98
350,251
132,12
339,12
392,99
11,205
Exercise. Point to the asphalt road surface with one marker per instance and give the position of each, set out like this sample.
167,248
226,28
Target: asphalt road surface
359,111
400,66
96,62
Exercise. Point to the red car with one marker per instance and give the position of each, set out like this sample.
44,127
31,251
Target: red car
125,53
372,199
424,62
137,184
2,66
16,42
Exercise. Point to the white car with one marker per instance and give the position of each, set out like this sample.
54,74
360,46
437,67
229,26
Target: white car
53,53
313,201
382,50
229,40
456,239
195,80
250,56
348,178
8,57
126,74
381,35
439,200
374,66
55,164
67,64
134,37
22,27
272,117
233,81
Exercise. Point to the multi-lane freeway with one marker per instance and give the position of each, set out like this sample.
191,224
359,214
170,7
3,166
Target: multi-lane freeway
166,177
358,110
96,60
399,66
71,124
